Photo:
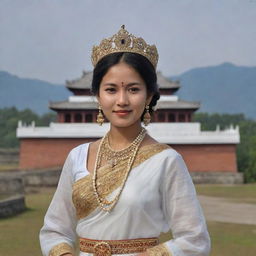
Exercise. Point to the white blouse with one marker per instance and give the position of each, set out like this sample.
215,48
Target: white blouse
158,196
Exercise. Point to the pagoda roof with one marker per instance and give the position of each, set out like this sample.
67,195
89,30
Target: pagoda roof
84,82
180,104
91,103
63,105
166,83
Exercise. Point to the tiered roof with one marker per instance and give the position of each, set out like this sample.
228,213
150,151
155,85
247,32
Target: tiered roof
82,87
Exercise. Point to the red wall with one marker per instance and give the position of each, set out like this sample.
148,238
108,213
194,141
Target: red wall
50,153
211,157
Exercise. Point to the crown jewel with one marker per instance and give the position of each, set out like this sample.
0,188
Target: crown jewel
124,42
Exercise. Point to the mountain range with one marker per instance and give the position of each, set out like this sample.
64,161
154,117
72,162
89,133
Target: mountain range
225,88
29,93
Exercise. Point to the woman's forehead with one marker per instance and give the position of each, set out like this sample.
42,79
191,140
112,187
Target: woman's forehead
122,72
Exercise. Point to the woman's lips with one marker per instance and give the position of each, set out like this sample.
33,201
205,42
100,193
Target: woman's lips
122,112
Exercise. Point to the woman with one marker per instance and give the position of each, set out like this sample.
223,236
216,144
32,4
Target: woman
119,193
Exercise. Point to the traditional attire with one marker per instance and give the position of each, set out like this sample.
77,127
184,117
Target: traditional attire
158,196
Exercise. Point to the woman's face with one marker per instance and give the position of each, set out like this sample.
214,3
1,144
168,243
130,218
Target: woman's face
123,95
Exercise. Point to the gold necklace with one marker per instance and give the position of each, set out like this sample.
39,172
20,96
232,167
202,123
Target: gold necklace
104,204
114,156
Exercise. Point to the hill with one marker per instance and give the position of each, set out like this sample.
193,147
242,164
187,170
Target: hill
225,88
29,93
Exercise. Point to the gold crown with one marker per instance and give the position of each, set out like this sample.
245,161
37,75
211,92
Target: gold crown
124,42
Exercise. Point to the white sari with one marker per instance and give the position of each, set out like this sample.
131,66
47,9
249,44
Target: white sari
158,196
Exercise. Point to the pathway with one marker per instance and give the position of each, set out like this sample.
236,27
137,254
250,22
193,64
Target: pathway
220,209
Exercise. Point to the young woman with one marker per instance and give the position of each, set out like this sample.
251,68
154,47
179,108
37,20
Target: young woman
119,193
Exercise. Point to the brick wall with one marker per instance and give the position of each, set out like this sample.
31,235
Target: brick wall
212,157
51,153
46,153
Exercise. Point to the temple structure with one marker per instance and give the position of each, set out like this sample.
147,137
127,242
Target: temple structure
203,151
82,107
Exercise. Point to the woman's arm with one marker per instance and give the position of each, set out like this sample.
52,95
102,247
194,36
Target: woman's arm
183,214
58,236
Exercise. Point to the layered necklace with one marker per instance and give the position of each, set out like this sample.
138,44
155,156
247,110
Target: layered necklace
113,158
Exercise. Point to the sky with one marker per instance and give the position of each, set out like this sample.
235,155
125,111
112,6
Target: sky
52,40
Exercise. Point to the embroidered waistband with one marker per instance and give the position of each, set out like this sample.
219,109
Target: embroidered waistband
110,247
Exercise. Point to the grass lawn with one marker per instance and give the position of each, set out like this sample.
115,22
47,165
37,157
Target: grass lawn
236,193
19,234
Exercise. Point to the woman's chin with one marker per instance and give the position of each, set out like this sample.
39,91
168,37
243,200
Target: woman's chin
124,124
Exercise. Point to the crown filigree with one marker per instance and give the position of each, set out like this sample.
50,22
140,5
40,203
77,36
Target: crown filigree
124,42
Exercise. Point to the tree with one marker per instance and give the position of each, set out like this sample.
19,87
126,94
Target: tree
9,118
246,150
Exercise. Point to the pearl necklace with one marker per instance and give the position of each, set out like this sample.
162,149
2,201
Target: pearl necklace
104,204
114,156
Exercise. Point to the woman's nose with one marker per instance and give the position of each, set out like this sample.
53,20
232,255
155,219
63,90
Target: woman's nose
122,98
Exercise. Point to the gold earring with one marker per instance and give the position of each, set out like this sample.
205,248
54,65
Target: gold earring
147,116
100,117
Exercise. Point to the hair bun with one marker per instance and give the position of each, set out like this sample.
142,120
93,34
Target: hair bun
154,100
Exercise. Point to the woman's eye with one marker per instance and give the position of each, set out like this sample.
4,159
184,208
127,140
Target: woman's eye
134,89
111,90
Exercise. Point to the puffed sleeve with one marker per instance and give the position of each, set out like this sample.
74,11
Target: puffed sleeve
57,235
183,214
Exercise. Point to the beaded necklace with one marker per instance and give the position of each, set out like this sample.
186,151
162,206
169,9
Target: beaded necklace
113,157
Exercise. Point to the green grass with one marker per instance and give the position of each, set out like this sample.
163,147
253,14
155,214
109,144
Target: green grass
236,193
232,239
19,234
229,239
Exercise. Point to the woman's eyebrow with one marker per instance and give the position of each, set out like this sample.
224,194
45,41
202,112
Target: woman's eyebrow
129,84
109,84
133,83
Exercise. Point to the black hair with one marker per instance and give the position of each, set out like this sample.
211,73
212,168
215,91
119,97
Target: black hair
140,63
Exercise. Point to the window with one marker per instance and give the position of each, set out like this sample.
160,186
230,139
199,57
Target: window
171,117
88,118
78,118
67,118
161,117
181,118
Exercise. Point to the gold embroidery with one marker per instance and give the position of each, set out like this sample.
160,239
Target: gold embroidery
60,249
159,250
83,196
110,247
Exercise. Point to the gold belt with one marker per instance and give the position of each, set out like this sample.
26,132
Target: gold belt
110,247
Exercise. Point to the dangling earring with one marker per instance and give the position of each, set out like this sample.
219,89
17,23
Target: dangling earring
147,116
100,117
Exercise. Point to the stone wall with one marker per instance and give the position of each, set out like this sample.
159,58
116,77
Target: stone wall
12,206
11,184
46,178
9,156
217,178
42,178
12,194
